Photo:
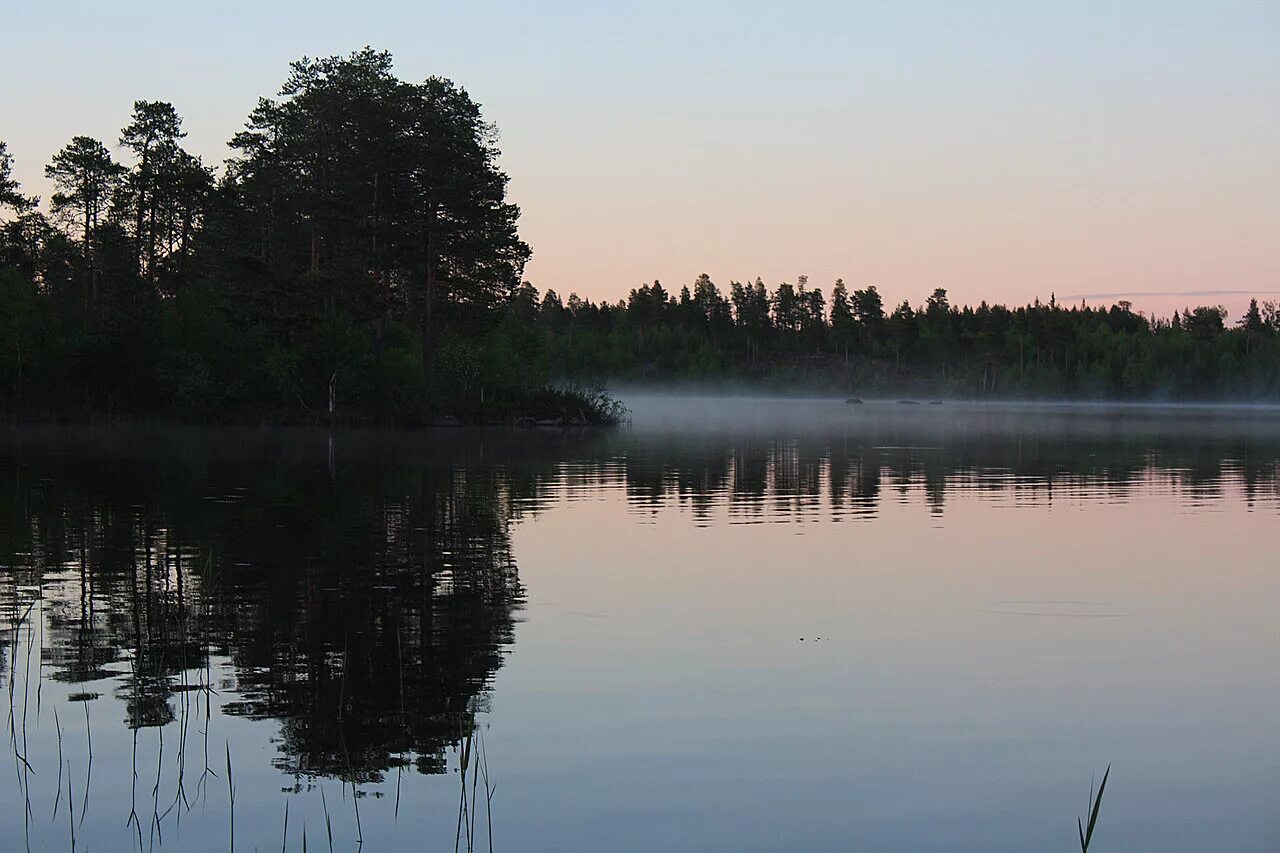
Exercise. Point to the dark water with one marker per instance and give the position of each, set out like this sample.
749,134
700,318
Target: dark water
744,625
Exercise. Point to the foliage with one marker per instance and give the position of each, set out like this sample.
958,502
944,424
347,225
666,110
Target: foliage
788,339
358,259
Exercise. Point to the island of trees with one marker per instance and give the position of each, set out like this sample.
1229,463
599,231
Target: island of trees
357,259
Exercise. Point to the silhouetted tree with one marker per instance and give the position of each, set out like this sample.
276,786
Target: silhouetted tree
86,176
10,191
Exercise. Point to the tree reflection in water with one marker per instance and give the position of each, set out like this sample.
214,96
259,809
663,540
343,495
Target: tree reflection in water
358,592
365,606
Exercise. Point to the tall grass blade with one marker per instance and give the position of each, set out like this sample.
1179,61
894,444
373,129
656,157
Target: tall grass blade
1095,805
231,795
328,826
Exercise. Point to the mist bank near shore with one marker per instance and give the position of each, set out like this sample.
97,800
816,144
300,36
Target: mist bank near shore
818,385
654,410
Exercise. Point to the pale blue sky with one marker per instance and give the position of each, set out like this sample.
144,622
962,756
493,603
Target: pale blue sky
1002,150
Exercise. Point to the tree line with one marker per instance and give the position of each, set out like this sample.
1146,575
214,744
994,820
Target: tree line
795,335
357,257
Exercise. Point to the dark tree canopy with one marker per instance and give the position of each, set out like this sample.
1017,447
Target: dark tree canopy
358,259
791,339
10,191
377,197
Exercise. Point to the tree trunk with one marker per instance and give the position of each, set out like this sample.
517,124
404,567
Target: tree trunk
151,242
428,300
186,238
140,212
92,290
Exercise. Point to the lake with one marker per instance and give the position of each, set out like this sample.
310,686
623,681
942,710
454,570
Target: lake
743,624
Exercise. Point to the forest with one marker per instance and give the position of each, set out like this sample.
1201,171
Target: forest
357,259
795,337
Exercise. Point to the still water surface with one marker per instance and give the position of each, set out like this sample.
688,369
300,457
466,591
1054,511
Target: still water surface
734,625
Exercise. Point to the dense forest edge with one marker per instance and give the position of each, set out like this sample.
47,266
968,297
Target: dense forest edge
357,260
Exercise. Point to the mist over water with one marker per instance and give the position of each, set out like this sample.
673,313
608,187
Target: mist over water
734,624
654,410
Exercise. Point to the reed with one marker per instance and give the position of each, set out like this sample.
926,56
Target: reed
40,668
88,773
328,825
155,789
133,793
399,774
355,804
231,795
1095,804
473,760
464,817
58,726
489,791
71,816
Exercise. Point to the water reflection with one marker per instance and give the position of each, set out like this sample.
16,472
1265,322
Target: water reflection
364,608
843,469
352,597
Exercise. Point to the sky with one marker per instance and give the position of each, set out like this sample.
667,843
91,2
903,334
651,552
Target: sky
1002,150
